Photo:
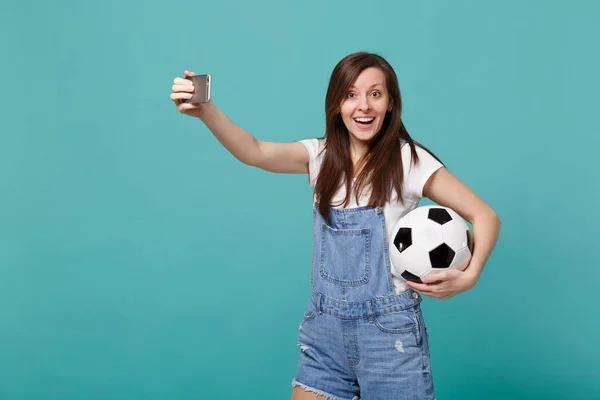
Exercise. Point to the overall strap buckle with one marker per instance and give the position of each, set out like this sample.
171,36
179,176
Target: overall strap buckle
370,311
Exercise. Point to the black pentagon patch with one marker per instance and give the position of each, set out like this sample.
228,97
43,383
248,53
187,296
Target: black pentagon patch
403,239
441,256
411,277
439,215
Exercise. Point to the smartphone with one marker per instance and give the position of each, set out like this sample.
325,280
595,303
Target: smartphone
201,93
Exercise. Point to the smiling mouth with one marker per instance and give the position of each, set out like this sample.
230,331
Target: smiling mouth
364,121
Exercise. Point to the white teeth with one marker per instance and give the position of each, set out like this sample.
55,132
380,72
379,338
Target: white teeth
364,119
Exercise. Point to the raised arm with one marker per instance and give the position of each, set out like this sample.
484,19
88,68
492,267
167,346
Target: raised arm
289,158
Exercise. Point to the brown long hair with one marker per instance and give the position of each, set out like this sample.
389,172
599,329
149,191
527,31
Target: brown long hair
383,169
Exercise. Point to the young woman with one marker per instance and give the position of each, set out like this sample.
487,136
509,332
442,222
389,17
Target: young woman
363,334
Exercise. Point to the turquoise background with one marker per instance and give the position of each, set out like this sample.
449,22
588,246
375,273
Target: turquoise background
139,259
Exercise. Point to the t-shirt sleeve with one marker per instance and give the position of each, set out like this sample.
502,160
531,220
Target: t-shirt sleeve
416,175
315,151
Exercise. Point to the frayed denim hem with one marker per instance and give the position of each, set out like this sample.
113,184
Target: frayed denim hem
320,392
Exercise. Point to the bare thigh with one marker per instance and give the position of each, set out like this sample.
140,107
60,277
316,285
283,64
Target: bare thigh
300,394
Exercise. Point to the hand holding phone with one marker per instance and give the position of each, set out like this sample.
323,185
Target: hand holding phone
202,86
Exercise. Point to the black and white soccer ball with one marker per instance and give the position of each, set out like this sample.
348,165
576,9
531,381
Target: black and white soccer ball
427,240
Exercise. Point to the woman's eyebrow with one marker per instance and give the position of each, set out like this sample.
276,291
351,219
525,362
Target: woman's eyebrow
354,87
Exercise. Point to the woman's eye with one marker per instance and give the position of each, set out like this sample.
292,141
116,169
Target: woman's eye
350,95
376,94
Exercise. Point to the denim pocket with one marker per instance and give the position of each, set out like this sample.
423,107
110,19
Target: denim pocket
401,322
345,255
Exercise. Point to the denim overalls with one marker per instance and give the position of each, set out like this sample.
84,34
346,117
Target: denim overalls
359,340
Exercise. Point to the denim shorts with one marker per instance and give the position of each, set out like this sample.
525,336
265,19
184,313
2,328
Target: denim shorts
374,350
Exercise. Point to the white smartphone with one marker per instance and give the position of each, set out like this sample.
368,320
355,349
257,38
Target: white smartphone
201,93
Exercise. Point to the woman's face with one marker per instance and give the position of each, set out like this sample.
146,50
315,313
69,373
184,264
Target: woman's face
365,105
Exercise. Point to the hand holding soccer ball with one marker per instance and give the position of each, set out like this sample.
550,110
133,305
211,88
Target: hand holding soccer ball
431,247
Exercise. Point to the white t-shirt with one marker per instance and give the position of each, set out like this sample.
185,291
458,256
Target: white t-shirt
415,177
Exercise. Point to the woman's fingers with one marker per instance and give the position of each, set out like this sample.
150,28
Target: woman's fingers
181,96
183,107
431,294
183,88
427,289
186,108
182,81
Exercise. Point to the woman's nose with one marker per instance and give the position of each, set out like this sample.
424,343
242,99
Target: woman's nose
364,105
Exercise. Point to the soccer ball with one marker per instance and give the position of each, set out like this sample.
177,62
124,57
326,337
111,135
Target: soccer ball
427,240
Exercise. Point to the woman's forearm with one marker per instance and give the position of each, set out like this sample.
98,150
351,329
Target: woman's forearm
240,143
486,228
